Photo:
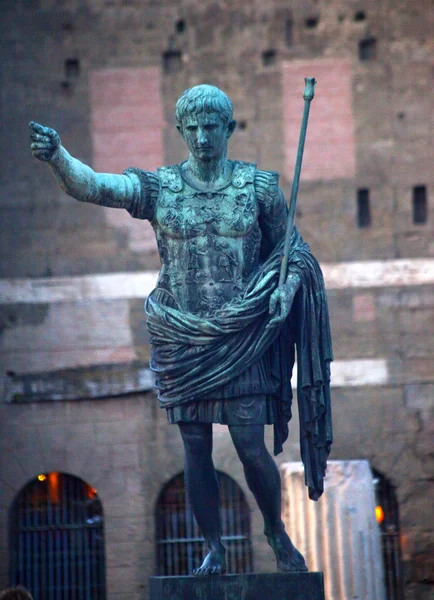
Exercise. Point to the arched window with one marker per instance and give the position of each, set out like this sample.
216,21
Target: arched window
180,546
57,539
387,515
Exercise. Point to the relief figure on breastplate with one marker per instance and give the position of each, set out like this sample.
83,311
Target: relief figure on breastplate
172,221
196,267
251,247
242,212
208,210
227,263
223,326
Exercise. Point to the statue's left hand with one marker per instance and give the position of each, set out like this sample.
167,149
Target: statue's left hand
281,300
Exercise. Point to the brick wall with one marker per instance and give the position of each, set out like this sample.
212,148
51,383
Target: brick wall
330,144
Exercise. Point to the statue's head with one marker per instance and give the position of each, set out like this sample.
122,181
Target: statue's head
204,119
203,99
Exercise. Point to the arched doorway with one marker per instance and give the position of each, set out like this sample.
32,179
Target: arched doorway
387,515
57,539
180,546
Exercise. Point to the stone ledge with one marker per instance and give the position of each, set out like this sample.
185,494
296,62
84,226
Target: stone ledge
93,382
254,586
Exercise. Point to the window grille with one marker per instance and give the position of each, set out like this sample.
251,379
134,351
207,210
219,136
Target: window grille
57,539
180,546
388,519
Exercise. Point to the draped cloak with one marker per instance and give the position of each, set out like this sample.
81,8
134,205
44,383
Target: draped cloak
192,355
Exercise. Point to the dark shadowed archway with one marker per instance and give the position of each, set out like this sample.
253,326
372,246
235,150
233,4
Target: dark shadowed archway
387,515
57,539
180,546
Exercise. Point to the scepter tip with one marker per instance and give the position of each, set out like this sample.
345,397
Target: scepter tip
308,93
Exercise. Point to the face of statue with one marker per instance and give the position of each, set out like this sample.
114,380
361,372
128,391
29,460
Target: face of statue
206,135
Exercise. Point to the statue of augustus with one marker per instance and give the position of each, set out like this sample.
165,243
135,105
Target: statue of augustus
223,331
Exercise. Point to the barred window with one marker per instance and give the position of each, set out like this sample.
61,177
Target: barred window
387,515
180,546
57,539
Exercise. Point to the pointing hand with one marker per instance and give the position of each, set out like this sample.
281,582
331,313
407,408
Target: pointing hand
44,141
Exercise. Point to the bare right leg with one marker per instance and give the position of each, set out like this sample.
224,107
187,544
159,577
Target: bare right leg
203,493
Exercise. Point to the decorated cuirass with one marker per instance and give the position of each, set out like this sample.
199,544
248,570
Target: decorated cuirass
208,240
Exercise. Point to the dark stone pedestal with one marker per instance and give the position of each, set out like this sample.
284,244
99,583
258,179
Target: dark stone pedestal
254,586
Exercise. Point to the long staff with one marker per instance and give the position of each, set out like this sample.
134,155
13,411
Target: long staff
307,97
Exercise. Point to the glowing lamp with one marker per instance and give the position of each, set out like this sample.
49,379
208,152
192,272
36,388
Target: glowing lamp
379,514
92,492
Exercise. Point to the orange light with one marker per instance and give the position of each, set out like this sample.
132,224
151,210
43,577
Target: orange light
42,477
53,480
91,492
379,514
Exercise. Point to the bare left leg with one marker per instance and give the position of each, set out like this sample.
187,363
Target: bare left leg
263,479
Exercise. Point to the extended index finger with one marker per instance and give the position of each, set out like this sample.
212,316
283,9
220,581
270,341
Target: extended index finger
37,128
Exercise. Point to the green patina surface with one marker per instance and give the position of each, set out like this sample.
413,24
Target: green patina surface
223,321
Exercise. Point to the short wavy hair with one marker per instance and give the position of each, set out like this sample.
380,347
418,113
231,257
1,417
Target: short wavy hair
204,98
16,593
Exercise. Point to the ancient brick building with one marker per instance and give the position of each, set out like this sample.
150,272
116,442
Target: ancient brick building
106,75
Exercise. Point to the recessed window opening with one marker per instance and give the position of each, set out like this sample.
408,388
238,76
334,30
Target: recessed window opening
72,68
360,15
363,208
242,125
289,32
420,206
172,61
311,22
180,26
269,57
180,546
368,49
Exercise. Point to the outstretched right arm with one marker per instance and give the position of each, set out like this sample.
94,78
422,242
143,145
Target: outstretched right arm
77,179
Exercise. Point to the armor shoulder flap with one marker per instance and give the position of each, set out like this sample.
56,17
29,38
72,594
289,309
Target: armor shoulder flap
266,184
243,174
170,177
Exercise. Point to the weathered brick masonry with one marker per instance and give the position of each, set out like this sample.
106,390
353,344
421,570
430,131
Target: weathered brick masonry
106,75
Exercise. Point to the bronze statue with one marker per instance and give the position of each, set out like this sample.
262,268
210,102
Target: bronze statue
223,331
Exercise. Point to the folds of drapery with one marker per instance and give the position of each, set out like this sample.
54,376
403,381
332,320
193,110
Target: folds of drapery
192,355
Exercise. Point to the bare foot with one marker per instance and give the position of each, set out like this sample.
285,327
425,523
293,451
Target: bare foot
288,558
214,564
